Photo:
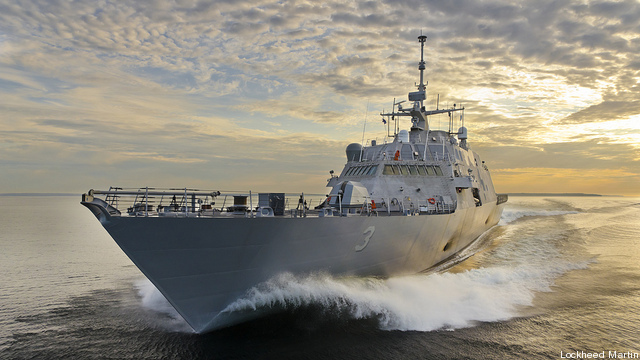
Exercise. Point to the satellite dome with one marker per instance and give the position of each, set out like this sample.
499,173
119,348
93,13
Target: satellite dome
353,152
403,136
462,133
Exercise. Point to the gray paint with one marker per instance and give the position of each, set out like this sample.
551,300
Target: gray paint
203,263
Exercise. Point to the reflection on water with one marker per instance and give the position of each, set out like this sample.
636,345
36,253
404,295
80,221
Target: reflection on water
558,274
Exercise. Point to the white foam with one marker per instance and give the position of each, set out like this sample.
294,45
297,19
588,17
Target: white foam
527,262
510,215
152,299
419,302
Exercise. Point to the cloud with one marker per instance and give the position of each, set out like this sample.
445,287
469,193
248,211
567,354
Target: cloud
185,85
604,111
612,180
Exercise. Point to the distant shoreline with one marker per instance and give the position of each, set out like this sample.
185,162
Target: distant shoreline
510,194
556,194
39,194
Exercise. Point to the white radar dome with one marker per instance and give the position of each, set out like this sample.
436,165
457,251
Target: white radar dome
462,133
353,152
403,136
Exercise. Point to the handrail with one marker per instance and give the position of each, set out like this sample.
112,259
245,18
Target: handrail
143,202
188,202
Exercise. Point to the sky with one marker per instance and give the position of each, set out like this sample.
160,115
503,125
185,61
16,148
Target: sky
265,95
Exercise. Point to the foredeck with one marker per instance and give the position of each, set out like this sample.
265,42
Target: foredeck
156,202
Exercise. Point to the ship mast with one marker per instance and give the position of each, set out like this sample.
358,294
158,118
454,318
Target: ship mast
417,112
421,66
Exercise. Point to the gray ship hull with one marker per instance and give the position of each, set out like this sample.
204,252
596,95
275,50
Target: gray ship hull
433,194
202,265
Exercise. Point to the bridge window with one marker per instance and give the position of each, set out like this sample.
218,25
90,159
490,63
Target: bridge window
389,170
430,170
363,170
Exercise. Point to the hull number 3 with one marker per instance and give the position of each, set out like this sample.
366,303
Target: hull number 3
367,236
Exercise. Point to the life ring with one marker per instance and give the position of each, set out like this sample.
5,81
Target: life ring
432,201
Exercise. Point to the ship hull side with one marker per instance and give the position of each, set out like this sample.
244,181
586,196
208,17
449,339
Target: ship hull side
201,265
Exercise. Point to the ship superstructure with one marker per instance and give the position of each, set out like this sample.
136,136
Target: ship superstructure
398,207
421,170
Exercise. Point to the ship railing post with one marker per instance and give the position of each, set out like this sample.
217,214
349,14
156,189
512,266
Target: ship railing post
186,208
250,205
146,202
135,201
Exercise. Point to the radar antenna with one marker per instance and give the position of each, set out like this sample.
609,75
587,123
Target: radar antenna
421,65
417,111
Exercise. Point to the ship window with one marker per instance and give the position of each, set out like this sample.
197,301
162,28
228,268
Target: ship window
363,170
371,170
388,170
421,170
430,171
350,171
413,170
404,170
438,170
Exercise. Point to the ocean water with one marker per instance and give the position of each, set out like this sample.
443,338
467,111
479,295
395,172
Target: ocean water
558,277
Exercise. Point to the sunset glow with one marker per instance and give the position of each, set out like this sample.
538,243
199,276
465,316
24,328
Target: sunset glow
265,95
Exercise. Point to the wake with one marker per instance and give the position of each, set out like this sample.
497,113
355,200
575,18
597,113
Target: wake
418,303
422,302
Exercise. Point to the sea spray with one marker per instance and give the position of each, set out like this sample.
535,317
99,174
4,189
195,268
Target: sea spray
418,302
510,215
421,302
152,299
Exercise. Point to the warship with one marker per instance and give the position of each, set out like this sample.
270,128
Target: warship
400,206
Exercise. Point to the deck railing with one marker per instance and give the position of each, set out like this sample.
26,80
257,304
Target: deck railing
156,202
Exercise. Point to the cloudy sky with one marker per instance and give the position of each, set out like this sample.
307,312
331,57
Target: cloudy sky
265,95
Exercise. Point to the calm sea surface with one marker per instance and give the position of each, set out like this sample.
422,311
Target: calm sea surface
558,276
